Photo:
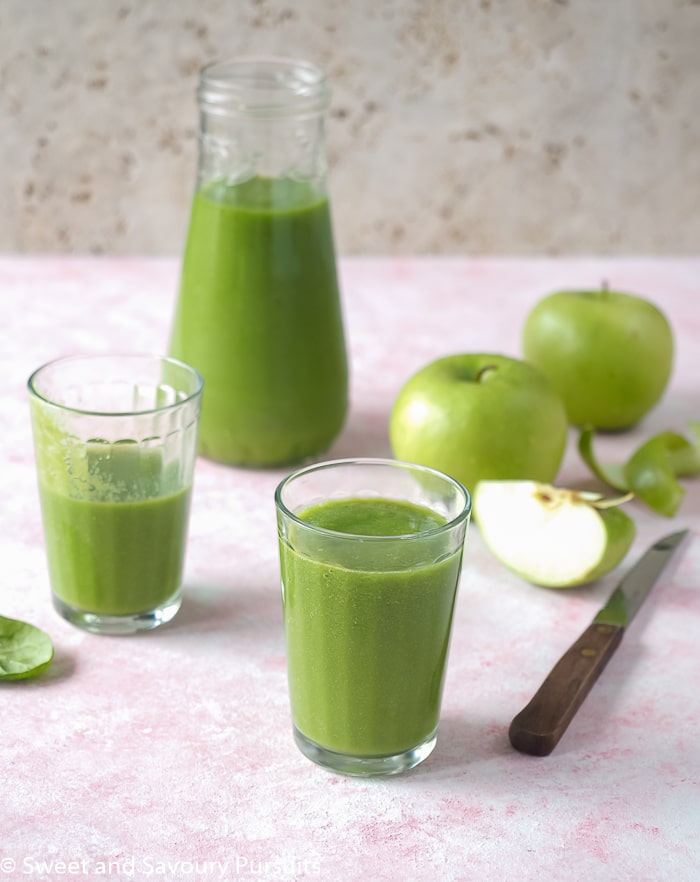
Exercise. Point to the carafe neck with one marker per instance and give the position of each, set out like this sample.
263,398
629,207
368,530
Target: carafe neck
262,117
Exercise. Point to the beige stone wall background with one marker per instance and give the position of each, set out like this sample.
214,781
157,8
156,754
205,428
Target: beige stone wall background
457,126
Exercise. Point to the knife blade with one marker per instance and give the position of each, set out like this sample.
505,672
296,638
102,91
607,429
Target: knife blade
540,725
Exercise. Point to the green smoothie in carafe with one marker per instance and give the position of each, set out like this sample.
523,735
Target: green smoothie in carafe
258,315
367,638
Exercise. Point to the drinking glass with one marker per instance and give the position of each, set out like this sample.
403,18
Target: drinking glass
115,439
370,557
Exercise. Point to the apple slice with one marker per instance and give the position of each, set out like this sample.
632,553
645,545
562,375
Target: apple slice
552,536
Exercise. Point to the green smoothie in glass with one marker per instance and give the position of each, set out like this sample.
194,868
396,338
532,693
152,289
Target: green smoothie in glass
115,558
259,317
369,586
115,440
115,531
366,650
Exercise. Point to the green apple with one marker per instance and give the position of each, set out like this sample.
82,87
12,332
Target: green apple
608,354
552,536
479,416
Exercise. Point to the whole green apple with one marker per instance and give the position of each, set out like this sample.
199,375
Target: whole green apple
480,416
608,354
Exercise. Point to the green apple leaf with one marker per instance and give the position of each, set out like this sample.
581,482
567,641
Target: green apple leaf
652,471
25,650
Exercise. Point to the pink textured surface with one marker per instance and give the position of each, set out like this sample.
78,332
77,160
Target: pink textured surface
169,755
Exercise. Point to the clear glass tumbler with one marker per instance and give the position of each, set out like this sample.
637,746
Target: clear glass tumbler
115,439
370,556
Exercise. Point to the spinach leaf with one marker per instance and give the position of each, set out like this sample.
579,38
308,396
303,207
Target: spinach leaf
25,651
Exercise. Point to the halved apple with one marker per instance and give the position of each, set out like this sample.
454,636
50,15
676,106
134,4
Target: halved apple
552,536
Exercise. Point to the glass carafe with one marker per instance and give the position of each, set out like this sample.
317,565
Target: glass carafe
258,312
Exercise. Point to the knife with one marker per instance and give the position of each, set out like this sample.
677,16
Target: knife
539,726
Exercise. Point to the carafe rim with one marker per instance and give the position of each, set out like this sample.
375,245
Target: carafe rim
263,86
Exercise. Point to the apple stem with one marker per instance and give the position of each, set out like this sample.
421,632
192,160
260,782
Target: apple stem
485,370
612,503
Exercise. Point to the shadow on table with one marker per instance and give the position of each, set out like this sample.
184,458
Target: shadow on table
210,607
464,742
366,433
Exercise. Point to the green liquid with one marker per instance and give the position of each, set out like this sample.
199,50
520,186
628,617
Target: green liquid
115,558
114,529
259,316
366,650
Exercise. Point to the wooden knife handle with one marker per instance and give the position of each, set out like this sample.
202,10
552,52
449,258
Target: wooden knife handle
540,724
